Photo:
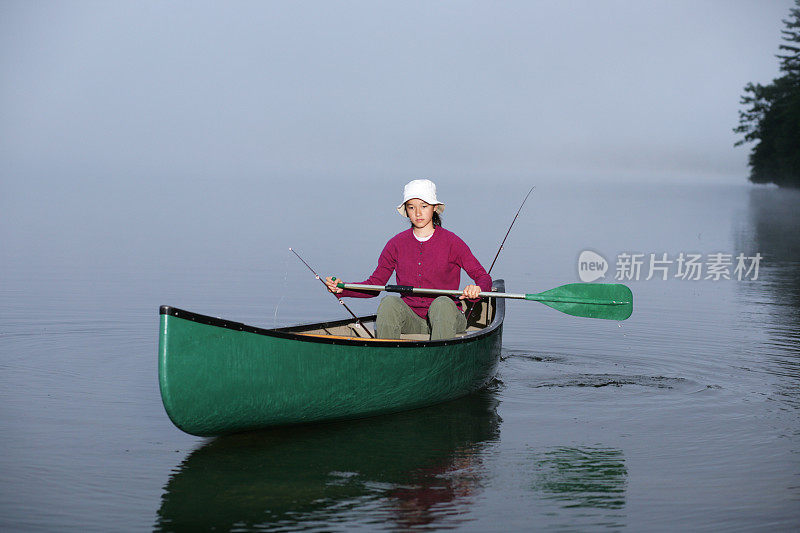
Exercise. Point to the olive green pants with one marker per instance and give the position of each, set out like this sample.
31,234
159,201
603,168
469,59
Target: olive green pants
396,317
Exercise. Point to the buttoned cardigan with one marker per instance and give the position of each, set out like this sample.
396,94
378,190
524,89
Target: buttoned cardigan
432,264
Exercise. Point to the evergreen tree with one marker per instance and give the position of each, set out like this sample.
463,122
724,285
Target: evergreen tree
773,116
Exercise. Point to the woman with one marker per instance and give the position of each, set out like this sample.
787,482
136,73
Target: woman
425,255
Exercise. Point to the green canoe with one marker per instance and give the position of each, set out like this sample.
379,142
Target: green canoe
219,376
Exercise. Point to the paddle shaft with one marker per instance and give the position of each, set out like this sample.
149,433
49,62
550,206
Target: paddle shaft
408,289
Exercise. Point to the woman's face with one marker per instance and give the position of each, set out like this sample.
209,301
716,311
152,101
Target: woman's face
420,213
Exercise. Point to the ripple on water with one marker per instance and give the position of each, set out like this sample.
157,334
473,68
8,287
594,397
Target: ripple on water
612,380
540,357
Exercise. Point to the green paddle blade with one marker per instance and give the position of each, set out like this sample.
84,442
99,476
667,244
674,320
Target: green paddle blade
611,301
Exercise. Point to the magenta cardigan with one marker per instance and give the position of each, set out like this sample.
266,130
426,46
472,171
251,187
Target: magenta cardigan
433,264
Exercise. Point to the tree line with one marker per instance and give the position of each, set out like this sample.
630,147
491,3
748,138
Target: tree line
772,117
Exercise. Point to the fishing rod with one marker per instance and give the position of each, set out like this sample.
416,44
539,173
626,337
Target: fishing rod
469,313
509,230
358,320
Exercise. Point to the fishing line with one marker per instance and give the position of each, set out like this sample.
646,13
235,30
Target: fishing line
283,290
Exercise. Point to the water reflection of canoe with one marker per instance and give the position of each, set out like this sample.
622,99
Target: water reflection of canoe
407,469
222,377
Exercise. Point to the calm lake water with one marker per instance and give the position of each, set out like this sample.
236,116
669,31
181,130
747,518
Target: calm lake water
684,417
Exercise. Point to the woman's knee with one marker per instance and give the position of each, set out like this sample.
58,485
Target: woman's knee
444,309
390,306
443,304
445,319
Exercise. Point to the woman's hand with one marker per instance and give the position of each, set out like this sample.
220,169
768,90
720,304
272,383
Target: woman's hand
471,292
329,281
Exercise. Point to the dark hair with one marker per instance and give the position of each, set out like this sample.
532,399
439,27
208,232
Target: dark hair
437,220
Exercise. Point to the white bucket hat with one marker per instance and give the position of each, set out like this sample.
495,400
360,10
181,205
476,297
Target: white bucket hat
425,190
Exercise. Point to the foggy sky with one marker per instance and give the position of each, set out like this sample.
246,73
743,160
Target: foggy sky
159,90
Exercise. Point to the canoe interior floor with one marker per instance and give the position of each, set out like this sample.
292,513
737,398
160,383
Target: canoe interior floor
478,321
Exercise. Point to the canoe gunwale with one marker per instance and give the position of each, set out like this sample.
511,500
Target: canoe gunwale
292,332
